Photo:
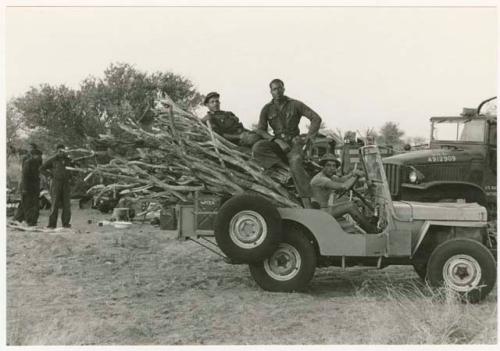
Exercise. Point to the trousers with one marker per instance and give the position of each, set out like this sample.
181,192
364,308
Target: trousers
342,207
268,153
61,195
29,207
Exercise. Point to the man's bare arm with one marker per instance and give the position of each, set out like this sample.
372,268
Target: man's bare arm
313,117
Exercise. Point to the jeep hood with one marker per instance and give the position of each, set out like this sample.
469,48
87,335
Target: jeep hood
422,156
407,210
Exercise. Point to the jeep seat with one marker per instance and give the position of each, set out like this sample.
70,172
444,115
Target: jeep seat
406,210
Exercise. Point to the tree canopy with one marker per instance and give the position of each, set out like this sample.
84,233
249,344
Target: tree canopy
71,115
390,134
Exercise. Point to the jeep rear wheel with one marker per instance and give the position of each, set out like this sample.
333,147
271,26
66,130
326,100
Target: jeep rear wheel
290,267
463,265
248,228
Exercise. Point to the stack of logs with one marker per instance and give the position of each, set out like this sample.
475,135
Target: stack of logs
174,156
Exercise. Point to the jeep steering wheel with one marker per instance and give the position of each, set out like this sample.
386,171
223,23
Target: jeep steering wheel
357,194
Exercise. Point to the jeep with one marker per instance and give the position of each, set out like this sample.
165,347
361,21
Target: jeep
446,243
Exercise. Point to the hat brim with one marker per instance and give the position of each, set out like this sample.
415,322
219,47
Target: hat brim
323,162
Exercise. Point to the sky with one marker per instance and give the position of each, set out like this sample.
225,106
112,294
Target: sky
356,67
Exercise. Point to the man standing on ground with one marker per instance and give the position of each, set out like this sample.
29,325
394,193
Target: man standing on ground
283,115
29,207
225,123
326,184
55,167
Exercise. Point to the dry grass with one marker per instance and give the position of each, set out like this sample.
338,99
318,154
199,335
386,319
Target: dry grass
141,286
419,314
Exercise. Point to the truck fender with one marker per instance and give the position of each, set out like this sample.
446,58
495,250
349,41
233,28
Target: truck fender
429,185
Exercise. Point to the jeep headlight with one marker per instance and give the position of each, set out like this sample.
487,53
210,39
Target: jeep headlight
413,177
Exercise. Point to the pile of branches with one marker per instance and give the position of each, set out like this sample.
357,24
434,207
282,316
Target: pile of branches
173,157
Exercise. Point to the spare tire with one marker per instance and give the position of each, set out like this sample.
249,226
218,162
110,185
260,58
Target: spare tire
248,228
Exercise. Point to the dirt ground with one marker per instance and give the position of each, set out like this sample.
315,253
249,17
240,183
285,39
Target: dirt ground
100,285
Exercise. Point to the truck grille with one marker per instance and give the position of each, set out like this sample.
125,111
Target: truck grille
455,171
393,174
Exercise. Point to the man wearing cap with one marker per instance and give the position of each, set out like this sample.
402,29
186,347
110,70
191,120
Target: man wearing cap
283,115
28,209
225,123
326,183
60,192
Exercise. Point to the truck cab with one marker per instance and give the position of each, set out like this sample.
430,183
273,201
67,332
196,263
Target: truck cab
460,164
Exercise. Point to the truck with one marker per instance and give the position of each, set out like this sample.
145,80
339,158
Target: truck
459,165
446,243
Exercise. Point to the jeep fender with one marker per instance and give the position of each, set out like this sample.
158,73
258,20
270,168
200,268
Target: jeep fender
424,230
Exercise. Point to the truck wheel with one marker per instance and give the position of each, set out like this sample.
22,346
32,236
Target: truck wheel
420,269
290,267
248,228
463,265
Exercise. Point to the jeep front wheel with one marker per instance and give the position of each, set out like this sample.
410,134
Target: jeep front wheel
290,267
420,269
463,265
248,228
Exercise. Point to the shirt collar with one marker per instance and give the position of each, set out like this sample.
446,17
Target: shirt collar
285,99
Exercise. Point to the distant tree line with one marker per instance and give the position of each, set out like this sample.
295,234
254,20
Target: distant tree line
390,134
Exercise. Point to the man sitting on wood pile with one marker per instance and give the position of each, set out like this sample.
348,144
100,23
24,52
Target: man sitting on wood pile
327,184
283,115
225,123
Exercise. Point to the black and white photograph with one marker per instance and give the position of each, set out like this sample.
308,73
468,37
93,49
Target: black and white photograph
250,175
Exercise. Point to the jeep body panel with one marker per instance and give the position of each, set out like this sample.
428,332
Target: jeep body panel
331,238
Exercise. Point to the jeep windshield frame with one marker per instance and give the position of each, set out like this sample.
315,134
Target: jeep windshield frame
458,130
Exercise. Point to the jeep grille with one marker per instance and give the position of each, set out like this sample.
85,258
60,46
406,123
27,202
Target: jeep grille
393,174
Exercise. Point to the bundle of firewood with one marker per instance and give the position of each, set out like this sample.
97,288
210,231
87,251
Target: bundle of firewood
174,156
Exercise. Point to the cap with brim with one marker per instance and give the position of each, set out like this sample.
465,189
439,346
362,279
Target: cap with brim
329,157
209,96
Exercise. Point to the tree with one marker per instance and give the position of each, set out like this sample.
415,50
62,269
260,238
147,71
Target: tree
71,116
14,123
53,108
417,140
390,134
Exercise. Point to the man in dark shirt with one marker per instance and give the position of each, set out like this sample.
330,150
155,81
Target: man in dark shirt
28,209
60,192
283,115
225,123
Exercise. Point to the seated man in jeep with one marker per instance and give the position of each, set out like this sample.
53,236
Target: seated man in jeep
326,184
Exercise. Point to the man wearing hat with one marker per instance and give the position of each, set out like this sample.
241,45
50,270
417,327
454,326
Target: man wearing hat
225,123
283,115
60,188
28,209
326,183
